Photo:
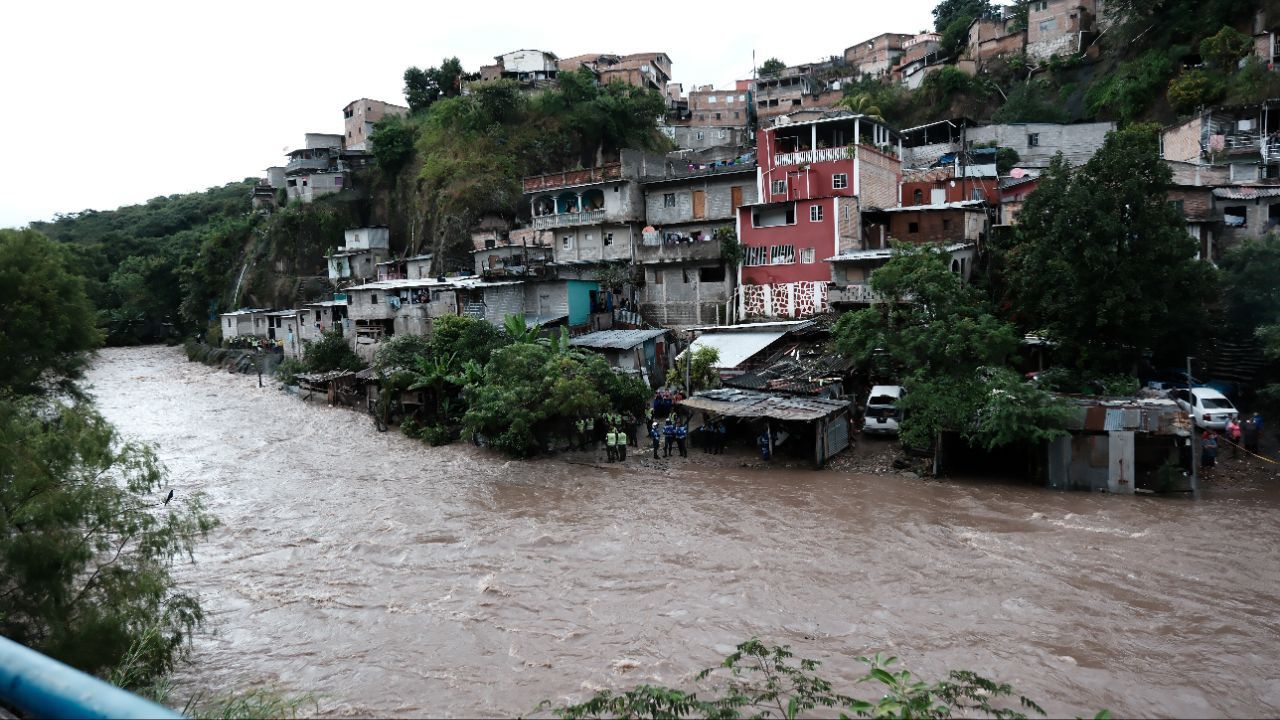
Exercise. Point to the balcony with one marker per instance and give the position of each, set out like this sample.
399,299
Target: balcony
573,177
301,164
568,219
678,252
805,157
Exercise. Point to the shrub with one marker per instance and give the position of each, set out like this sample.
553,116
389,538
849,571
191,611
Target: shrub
330,352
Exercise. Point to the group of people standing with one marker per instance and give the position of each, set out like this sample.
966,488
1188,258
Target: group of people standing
1237,434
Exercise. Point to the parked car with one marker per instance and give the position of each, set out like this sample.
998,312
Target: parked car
1208,407
883,413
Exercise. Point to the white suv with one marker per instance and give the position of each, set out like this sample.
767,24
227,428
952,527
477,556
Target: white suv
883,413
1208,407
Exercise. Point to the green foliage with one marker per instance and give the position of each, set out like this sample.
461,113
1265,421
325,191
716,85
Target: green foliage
1079,268
1129,92
391,144
1194,89
702,373
760,681
1226,48
1250,271
330,352
86,544
289,369
1006,159
48,323
947,12
952,350
731,251
466,339
1031,101
772,66
399,354
955,36
531,393
422,88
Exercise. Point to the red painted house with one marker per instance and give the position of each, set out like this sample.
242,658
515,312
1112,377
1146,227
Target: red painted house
815,179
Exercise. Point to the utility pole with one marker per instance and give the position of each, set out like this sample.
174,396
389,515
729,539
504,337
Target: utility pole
1195,438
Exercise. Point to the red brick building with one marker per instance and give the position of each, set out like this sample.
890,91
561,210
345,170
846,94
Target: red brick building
815,180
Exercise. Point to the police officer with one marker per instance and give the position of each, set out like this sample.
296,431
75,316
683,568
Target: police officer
682,433
654,434
669,437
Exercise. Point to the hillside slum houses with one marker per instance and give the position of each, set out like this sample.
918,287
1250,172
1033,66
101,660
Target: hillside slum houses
774,210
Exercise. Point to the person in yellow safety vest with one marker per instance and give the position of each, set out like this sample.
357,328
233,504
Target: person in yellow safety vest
591,432
611,444
620,444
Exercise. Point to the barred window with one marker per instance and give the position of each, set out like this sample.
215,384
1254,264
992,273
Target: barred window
806,256
756,255
840,181
779,187
782,255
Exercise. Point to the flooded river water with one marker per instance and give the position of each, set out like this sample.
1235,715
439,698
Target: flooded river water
393,578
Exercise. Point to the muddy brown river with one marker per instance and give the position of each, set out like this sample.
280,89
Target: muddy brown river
392,578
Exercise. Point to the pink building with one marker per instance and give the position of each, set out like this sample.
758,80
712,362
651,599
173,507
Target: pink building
815,180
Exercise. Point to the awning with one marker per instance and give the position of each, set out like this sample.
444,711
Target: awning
736,347
748,404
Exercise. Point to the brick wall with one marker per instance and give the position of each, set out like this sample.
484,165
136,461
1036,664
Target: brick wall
1182,143
878,184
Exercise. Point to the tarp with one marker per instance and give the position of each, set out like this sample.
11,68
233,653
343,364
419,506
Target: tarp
736,347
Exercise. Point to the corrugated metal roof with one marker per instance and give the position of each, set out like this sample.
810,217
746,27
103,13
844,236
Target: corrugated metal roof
749,404
615,339
1245,193
737,347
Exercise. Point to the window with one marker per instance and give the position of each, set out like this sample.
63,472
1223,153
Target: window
735,114
913,228
657,277
742,98
684,276
373,298
566,242
698,135
774,216
1033,139
717,116
723,133
815,213
228,322
608,239
917,197
711,98
778,187
782,254
755,255
1040,6
840,181
1235,215
946,223
806,256
711,274
1047,25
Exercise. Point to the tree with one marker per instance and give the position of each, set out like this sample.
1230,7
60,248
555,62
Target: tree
422,88
1080,267
87,542
1226,49
861,104
952,352
761,681
772,66
331,352
1194,89
531,393
948,12
1006,159
702,373
48,323
391,144
1249,273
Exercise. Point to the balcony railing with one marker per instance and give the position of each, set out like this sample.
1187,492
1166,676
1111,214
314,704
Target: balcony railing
812,156
307,164
586,217
573,177
676,252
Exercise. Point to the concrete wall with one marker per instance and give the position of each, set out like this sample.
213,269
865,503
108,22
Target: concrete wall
717,191
1181,143
588,244
308,187
937,226
367,238
528,61
1078,143
698,137
678,296
359,117
323,140
547,297
1053,26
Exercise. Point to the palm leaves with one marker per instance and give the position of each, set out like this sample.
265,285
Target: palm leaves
861,104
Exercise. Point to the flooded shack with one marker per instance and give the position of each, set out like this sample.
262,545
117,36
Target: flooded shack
804,426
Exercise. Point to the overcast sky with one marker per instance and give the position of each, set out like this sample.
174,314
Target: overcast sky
112,103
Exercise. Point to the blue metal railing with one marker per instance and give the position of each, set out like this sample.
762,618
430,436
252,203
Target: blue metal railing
43,687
